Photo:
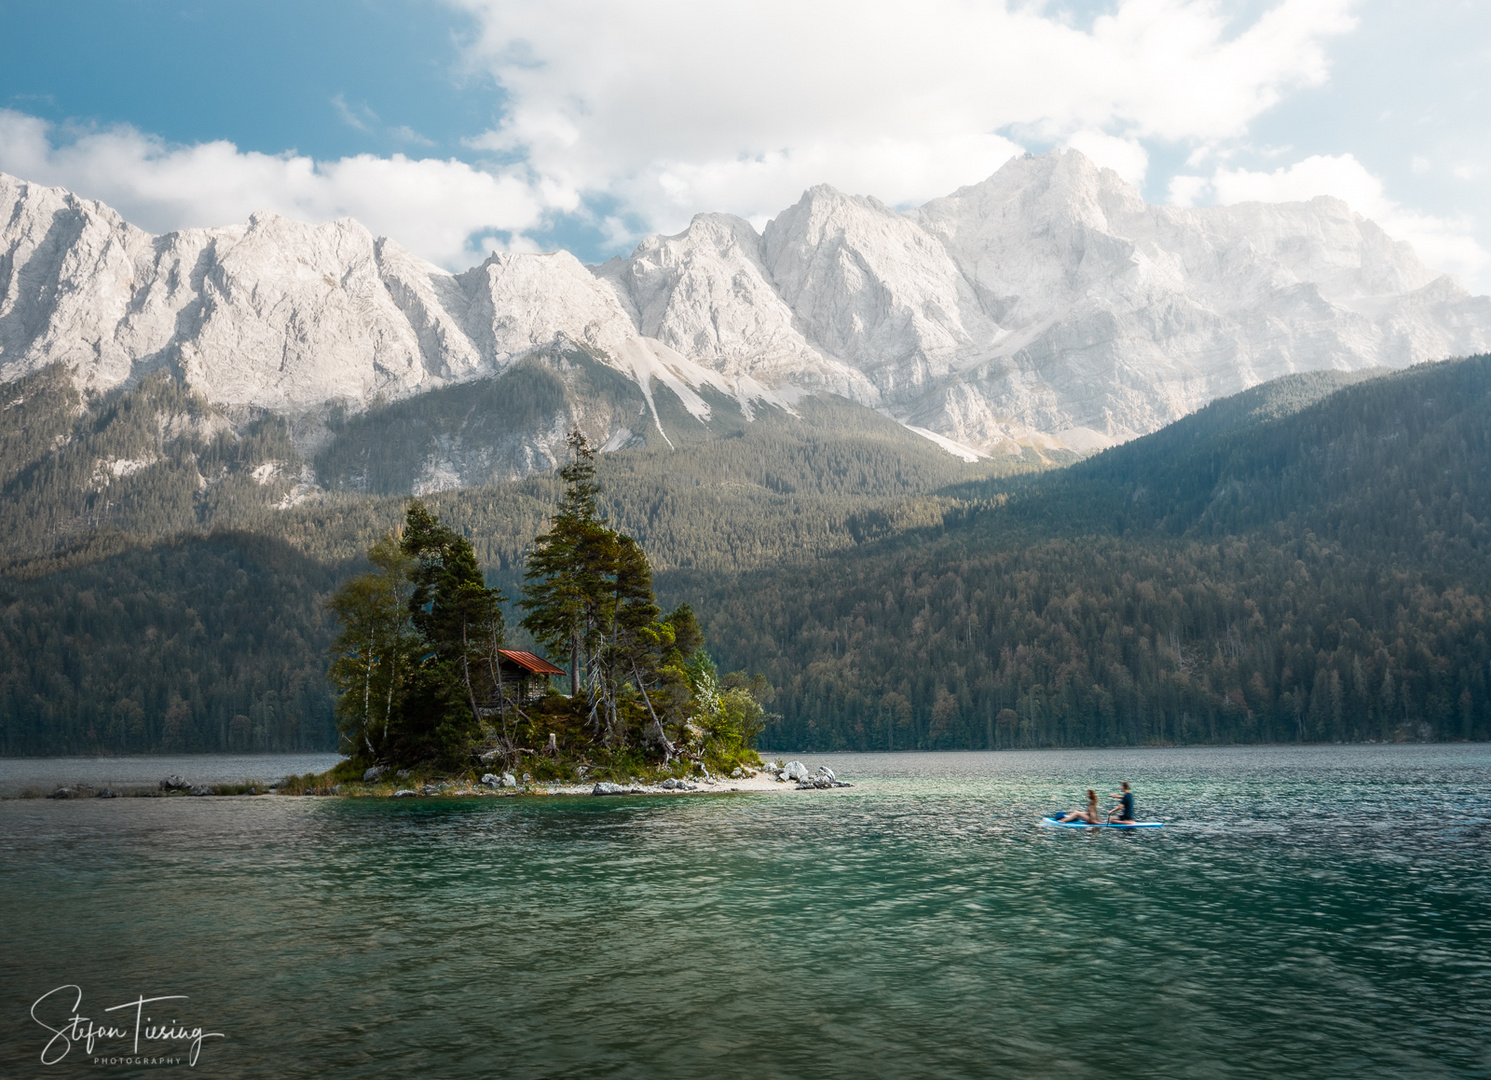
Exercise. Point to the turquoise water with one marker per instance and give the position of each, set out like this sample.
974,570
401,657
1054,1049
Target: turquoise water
1306,913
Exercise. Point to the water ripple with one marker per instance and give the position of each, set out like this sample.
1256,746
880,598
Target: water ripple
1318,913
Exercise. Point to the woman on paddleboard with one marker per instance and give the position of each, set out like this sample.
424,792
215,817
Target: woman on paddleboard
1089,815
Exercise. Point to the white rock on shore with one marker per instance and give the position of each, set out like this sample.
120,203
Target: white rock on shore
605,787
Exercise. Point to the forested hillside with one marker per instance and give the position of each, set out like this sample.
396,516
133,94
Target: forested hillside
1321,575
107,593
777,489
81,479
1304,561
204,644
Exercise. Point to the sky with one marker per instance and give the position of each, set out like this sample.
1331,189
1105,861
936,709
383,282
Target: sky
460,127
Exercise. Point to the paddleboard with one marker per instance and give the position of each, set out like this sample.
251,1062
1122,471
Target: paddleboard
1103,825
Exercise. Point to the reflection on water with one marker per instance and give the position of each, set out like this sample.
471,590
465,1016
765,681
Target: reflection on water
1306,913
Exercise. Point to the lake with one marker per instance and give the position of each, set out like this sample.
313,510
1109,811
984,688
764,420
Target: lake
1308,912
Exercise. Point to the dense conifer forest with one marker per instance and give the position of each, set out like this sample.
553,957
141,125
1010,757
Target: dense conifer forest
1305,561
1260,571
213,643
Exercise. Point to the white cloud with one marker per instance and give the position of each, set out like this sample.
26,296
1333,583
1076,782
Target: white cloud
1124,156
445,211
1187,190
360,119
406,134
1343,176
1442,243
674,106
665,108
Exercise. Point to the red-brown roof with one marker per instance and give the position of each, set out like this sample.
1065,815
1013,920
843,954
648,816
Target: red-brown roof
528,661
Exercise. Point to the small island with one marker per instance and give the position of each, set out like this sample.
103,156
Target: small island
431,698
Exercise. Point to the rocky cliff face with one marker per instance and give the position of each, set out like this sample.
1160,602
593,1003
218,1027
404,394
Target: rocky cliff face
707,294
285,317
1048,306
1120,317
273,314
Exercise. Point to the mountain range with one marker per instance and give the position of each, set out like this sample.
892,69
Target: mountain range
1046,310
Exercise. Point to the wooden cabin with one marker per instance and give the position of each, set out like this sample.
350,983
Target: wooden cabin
525,676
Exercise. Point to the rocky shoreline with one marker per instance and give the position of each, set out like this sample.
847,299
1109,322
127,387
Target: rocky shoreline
380,782
792,776
768,778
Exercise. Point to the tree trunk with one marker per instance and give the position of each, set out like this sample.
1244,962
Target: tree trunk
495,667
393,674
367,696
466,673
668,748
574,664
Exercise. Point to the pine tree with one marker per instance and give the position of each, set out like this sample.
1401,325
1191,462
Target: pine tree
460,622
566,583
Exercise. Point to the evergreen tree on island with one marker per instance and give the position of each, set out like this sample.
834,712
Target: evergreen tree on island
418,650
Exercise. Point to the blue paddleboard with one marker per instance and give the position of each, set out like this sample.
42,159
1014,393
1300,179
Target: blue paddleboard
1103,825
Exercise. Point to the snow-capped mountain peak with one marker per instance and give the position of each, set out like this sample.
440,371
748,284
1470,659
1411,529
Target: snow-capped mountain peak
1047,305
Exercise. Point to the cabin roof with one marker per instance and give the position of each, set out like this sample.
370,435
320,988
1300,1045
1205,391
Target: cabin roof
535,665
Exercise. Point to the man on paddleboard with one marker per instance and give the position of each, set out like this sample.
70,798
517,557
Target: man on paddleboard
1123,813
